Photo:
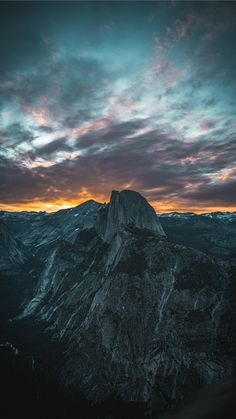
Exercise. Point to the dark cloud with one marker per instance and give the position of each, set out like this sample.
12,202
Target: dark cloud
111,135
15,134
73,120
155,164
209,102
222,193
70,91
45,128
53,147
19,181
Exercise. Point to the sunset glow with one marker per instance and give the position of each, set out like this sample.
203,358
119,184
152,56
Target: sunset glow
160,207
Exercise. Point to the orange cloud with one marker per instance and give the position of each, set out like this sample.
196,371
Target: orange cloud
39,116
191,159
183,206
88,127
227,174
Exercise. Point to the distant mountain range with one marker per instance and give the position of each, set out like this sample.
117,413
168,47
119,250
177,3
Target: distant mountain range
227,216
5,215
213,232
142,307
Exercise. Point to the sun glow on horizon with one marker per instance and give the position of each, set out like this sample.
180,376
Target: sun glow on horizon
160,207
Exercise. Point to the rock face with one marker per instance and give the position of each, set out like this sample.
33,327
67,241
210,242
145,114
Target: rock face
12,251
129,209
141,318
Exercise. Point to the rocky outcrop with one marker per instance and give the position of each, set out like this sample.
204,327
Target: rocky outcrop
128,209
37,231
12,251
141,318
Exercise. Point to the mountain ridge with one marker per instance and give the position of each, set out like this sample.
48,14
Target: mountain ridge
140,316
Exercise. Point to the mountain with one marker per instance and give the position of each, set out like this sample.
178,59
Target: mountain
225,216
12,253
128,209
138,316
213,233
36,230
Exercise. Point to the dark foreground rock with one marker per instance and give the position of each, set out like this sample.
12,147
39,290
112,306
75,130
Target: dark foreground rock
140,318
105,315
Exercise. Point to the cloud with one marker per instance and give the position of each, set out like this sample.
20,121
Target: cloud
228,174
60,144
207,124
45,128
15,133
142,105
111,134
157,165
218,194
75,89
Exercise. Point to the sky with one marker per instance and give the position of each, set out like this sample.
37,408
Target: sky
96,96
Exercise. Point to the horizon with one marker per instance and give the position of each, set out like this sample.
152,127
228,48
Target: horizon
75,204
124,95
